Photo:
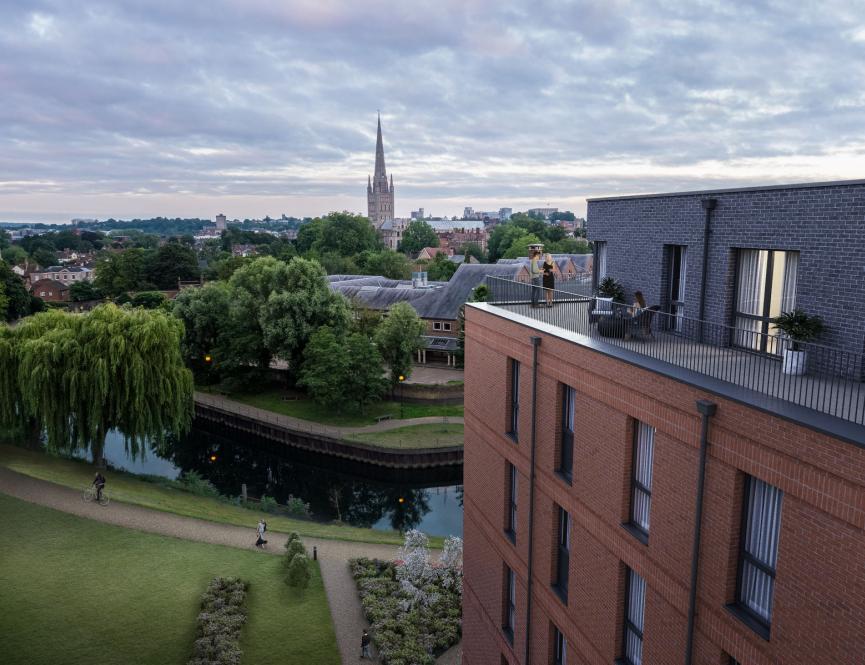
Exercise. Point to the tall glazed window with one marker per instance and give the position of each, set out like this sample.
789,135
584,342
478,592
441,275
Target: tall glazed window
566,453
765,287
641,483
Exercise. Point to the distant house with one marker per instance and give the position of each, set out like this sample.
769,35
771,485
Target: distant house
429,253
63,274
244,250
50,290
459,259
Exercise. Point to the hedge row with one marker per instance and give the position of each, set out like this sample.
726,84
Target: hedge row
219,622
406,637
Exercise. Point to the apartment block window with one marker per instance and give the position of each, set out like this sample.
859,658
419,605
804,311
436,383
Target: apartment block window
677,270
566,455
635,602
641,481
560,648
758,554
563,555
511,528
514,419
600,261
510,609
765,287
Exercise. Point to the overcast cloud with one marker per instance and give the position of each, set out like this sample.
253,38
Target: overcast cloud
252,107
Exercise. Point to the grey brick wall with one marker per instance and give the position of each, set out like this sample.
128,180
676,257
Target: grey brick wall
825,222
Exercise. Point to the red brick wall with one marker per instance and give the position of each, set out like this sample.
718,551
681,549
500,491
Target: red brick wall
819,612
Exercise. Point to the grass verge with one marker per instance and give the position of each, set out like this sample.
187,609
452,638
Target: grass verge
414,436
129,489
76,591
306,409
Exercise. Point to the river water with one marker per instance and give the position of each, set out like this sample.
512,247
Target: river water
360,494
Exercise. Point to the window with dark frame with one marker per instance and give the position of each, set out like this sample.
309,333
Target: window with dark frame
437,325
758,552
512,502
566,454
641,478
635,601
677,271
765,287
563,555
446,326
600,261
509,617
560,648
514,419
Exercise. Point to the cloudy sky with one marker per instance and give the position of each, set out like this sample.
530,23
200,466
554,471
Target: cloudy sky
251,107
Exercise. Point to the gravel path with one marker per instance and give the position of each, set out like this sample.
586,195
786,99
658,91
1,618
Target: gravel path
333,555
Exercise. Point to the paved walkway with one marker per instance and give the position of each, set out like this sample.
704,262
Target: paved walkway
333,555
300,425
428,375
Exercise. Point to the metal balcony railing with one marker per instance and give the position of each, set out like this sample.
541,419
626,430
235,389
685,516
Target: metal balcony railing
832,382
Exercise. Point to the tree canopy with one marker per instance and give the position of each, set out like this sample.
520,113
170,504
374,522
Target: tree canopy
441,268
18,302
171,262
81,375
398,337
417,235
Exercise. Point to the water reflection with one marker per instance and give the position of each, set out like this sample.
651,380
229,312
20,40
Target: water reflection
359,494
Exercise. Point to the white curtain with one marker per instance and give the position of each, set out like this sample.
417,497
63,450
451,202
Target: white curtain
791,274
750,295
636,603
643,454
761,542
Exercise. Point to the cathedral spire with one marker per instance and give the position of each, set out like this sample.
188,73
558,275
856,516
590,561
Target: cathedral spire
379,155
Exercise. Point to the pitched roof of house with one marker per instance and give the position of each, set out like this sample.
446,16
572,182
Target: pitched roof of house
62,268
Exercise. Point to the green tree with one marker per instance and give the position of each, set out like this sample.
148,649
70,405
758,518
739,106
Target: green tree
302,303
473,249
386,263
501,238
308,235
83,290
570,246
205,315
365,383
172,262
398,337
148,299
121,369
4,302
118,272
44,257
520,246
417,235
14,255
441,269
325,368
18,302
346,234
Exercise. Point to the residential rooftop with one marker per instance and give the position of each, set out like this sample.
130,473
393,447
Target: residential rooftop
732,190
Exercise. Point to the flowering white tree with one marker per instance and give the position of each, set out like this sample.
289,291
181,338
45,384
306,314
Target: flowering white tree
414,571
451,563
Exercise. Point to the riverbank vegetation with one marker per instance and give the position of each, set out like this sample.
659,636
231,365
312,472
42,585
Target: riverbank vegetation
434,435
77,591
128,488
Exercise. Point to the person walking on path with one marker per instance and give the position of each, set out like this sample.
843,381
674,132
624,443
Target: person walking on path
364,645
262,528
99,484
549,278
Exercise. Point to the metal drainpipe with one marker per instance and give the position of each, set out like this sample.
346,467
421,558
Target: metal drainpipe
707,409
536,342
708,205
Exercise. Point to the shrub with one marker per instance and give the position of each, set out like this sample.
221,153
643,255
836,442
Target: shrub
268,504
298,571
194,483
294,535
219,623
413,605
293,547
296,506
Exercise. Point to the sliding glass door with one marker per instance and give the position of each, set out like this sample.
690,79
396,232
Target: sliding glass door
677,269
766,286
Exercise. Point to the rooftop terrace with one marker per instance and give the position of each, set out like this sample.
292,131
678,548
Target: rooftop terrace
830,396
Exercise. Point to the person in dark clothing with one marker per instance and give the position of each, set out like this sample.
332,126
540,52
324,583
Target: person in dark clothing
549,278
99,484
364,645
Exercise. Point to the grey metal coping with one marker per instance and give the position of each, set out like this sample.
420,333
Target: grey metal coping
734,190
821,422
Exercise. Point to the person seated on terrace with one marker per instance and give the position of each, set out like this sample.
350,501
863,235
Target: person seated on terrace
639,304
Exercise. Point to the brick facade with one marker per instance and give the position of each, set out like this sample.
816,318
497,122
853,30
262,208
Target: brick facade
819,597
824,222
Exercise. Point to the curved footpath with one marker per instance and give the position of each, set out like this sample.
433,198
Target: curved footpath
333,555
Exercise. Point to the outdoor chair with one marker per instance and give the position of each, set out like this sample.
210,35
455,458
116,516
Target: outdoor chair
641,324
603,307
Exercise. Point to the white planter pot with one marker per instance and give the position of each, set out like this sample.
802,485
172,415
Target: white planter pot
795,362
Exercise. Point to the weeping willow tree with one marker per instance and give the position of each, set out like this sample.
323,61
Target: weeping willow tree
81,375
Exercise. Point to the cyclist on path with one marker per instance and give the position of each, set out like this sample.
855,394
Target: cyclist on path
99,484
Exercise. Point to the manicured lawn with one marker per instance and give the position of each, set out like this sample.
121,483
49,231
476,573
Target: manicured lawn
414,436
127,488
306,409
75,591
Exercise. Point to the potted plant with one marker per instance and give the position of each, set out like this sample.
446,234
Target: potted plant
799,327
610,288
609,291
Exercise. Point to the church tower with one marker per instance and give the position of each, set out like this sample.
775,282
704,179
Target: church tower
379,193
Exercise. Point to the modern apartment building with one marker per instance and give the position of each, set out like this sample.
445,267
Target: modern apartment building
654,488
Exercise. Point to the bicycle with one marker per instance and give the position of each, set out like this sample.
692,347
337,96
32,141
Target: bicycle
89,494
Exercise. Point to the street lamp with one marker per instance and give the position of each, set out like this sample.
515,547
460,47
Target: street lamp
401,397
